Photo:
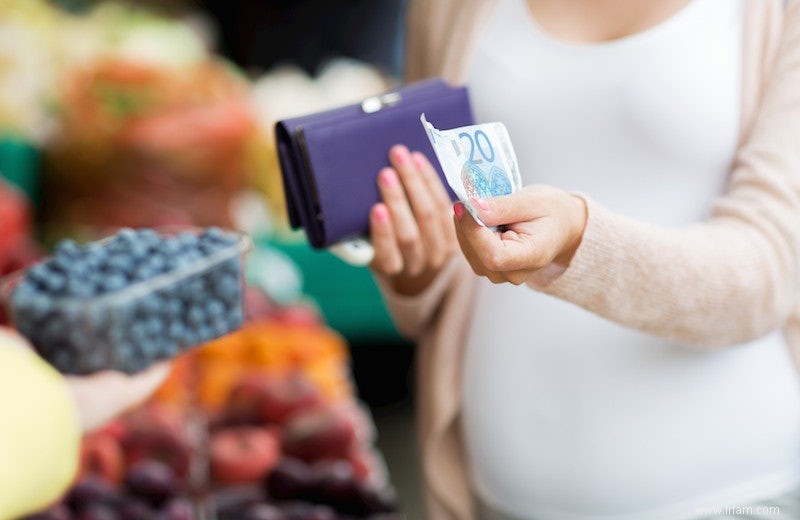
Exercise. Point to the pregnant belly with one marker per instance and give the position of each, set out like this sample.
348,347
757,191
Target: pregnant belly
565,411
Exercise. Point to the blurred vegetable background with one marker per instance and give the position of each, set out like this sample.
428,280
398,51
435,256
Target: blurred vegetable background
151,113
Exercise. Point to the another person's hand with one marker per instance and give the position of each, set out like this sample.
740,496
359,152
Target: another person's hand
103,395
411,230
537,226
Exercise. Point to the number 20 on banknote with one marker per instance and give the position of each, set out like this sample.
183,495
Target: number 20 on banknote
478,160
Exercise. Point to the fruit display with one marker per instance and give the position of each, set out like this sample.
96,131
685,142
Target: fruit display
127,301
134,468
274,345
139,144
278,449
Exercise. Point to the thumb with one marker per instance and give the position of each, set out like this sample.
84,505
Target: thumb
508,209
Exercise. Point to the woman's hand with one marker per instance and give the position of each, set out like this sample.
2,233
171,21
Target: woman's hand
411,230
103,395
537,227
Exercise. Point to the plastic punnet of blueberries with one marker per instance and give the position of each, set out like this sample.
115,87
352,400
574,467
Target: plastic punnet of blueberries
129,300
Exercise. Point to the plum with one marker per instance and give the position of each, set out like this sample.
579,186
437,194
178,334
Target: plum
91,489
264,512
336,484
306,511
230,502
97,512
152,481
290,479
319,434
178,509
56,512
135,509
377,500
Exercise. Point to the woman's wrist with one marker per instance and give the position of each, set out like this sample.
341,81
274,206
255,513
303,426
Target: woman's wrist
577,215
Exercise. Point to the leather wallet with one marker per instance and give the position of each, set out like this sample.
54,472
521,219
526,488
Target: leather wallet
330,160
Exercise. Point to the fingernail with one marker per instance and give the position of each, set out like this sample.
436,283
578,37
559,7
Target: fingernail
381,213
458,209
400,154
481,203
388,178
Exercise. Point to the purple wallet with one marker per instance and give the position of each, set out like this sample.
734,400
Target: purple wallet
330,160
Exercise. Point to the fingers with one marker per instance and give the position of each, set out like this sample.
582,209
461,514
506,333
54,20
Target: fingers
527,204
103,395
507,256
437,190
406,232
441,198
388,259
422,202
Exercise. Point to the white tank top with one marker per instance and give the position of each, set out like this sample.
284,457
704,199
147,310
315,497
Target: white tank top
567,415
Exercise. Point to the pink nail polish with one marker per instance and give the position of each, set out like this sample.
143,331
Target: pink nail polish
400,154
458,209
388,178
381,213
481,203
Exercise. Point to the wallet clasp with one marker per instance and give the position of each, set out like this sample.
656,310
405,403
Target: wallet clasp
376,103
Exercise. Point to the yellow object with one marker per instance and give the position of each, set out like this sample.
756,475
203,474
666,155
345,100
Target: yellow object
39,431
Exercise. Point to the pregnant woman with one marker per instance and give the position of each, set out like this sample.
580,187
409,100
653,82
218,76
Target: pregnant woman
623,350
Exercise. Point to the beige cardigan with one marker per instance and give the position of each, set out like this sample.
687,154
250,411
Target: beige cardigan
724,281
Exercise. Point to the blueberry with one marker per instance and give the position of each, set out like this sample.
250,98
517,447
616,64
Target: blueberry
79,288
118,262
215,308
39,274
67,249
235,319
126,236
219,326
148,236
154,327
113,282
172,308
196,315
205,333
213,233
176,330
187,240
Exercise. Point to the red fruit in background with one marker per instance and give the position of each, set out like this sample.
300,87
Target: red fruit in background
15,224
157,433
243,454
364,464
300,316
319,434
257,304
258,400
116,429
101,454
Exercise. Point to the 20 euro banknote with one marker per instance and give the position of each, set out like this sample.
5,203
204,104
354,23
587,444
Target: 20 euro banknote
478,160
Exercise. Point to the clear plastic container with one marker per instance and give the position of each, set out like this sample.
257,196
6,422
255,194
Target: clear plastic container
131,328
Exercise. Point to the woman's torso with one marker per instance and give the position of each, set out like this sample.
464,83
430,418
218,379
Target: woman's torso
567,415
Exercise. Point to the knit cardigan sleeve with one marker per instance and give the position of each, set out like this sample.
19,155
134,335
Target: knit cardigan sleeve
729,279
